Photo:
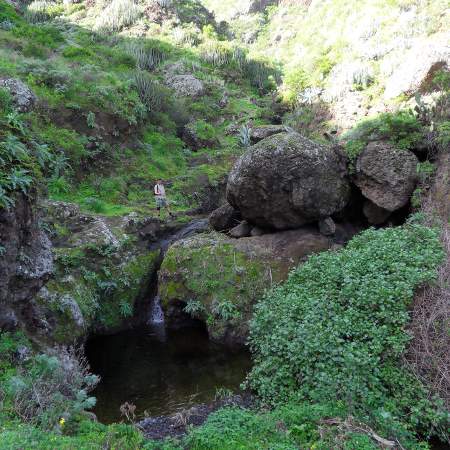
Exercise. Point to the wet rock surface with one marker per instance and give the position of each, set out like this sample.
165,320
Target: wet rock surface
242,230
374,214
221,272
286,181
102,265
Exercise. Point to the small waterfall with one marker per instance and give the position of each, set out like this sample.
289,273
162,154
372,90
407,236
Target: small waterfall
156,313
155,317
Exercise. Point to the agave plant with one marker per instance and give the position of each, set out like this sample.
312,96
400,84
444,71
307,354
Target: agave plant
245,134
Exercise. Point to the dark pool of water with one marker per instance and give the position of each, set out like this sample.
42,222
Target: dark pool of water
161,372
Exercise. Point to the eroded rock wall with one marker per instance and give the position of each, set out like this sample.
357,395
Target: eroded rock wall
26,263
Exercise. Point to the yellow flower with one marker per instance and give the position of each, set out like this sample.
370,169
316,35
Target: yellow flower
62,421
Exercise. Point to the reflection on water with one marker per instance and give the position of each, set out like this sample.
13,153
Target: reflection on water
161,372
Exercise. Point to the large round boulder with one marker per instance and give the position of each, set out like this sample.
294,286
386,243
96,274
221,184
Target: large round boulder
287,180
386,176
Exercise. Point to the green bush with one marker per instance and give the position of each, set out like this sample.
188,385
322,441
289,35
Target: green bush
204,130
76,52
444,134
335,331
41,389
402,129
290,427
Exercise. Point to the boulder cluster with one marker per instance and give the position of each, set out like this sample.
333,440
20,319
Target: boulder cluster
286,181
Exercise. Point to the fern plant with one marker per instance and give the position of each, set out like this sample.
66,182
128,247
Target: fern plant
194,308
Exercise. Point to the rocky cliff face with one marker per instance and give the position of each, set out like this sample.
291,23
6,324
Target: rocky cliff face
26,263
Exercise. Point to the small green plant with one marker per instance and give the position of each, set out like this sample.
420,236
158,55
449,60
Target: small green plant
245,134
90,119
416,198
402,129
443,137
44,388
225,310
205,130
126,310
95,204
223,393
194,308
425,171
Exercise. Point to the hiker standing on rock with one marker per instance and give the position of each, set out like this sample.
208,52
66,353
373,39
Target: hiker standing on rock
160,197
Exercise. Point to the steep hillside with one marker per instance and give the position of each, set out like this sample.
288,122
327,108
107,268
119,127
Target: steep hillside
112,110
342,60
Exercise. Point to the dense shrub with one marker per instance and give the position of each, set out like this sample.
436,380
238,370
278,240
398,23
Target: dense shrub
403,129
336,329
289,427
41,389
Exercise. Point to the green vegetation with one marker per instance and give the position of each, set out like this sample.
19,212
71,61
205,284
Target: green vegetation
328,343
44,397
127,136
402,129
101,281
335,331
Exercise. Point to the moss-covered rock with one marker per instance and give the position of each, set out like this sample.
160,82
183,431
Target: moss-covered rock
218,280
102,270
